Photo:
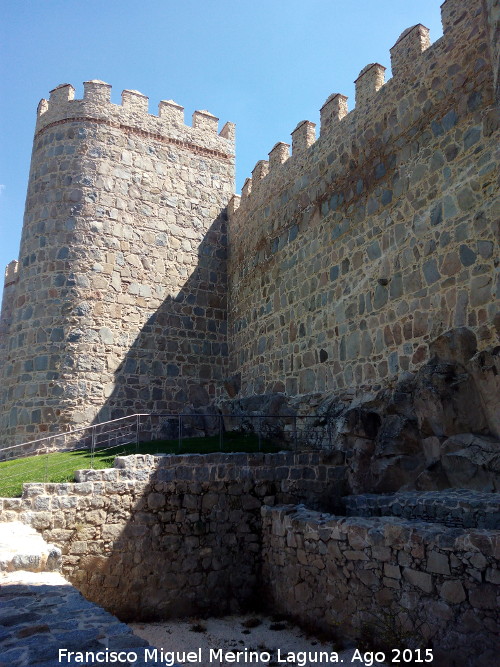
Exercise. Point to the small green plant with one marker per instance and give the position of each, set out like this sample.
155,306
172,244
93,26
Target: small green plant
198,627
391,628
253,622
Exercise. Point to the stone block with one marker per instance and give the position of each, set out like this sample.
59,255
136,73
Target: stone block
438,563
418,579
453,591
355,555
483,596
392,571
381,553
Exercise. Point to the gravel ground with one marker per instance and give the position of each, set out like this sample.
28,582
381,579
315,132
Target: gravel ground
250,633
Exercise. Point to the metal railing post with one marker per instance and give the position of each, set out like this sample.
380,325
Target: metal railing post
46,475
92,447
137,434
180,432
220,433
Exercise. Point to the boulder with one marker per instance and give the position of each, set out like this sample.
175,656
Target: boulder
446,402
472,462
484,368
456,346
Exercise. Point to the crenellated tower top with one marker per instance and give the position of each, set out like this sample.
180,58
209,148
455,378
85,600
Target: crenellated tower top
133,114
11,273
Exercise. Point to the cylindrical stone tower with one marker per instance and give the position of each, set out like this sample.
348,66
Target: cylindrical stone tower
119,297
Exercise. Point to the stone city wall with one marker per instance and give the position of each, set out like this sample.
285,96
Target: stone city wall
338,573
348,256
493,13
119,303
166,536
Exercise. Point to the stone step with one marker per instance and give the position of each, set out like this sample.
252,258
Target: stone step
113,475
451,507
22,548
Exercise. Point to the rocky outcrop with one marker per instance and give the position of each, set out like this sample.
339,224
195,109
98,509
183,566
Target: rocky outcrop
433,429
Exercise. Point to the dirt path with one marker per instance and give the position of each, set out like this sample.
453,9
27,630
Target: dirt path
260,640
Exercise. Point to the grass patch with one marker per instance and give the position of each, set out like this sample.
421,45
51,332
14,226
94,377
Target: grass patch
61,466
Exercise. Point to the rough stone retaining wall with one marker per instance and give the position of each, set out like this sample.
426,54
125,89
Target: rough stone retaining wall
451,507
174,535
333,573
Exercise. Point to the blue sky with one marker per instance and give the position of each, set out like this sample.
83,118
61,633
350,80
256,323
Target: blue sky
264,65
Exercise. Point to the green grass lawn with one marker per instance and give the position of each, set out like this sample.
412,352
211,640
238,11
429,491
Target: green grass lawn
61,466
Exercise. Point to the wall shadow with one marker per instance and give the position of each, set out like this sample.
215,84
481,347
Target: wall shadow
178,360
162,537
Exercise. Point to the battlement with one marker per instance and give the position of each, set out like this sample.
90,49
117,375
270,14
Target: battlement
11,273
133,113
410,57
410,45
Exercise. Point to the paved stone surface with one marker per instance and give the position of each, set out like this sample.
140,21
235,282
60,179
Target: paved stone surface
41,613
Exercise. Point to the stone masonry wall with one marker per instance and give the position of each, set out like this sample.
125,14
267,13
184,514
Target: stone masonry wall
166,536
120,300
337,573
8,294
348,256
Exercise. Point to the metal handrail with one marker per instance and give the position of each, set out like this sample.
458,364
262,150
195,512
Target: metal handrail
137,417
135,423
83,428
102,438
